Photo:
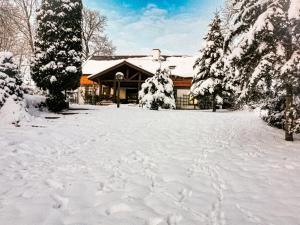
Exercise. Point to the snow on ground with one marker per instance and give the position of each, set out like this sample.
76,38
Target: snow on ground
134,167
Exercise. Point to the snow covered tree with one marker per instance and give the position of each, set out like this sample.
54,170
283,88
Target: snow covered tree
10,81
157,92
208,80
58,49
265,53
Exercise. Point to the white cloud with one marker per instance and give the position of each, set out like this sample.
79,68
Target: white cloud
154,27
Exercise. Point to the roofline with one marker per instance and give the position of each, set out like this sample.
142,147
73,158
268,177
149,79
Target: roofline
118,57
124,62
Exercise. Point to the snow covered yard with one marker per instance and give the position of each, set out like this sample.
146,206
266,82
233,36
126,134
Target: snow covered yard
134,167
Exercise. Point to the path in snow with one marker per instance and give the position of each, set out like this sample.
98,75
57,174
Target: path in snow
136,167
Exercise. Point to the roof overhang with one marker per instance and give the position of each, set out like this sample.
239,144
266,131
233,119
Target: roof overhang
98,75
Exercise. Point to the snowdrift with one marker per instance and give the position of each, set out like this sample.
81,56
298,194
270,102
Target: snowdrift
15,113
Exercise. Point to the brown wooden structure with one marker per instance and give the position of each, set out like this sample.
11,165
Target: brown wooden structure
134,77
104,83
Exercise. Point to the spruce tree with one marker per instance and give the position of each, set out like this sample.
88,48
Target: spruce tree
266,54
57,62
10,80
157,92
209,77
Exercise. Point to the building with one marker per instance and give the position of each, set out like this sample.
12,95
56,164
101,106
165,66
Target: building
98,82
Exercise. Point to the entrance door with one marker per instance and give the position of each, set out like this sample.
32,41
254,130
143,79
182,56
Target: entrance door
132,95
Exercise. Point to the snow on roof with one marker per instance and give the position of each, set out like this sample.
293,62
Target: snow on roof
91,67
183,64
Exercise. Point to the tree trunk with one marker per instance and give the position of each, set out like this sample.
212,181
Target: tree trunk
288,117
214,104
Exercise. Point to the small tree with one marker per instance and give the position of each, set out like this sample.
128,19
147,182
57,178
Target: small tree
10,82
58,49
209,78
157,92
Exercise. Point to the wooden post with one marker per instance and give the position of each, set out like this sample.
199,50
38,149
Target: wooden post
100,88
139,87
115,90
127,73
109,91
94,95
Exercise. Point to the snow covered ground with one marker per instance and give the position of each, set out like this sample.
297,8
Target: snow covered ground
134,167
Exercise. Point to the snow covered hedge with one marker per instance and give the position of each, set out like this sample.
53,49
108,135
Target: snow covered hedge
15,106
10,81
273,112
157,92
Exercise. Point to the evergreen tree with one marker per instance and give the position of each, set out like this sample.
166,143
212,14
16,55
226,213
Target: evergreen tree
266,53
157,92
10,81
208,81
57,62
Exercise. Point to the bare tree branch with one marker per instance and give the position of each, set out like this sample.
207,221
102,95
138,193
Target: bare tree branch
94,39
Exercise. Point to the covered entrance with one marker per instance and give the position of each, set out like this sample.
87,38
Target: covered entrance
130,85
131,95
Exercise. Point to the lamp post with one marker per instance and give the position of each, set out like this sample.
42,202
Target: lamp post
119,76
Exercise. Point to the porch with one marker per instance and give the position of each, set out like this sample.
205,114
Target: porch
105,83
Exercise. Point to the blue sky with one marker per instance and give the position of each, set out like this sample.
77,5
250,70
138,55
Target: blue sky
174,26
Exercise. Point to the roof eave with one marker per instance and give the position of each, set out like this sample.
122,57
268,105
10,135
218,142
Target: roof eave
99,74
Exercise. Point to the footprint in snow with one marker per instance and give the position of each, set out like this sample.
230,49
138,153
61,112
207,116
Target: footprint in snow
54,184
118,208
289,167
154,221
184,194
174,219
60,202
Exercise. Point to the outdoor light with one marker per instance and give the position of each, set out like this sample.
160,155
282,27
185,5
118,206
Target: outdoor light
119,76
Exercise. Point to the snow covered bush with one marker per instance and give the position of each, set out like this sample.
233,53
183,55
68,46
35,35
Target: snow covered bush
274,112
12,107
57,63
208,81
264,54
10,81
157,92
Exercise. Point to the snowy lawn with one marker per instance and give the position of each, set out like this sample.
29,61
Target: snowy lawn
133,167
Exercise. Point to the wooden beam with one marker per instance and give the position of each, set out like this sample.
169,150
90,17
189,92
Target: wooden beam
139,86
100,89
130,78
100,86
115,89
127,73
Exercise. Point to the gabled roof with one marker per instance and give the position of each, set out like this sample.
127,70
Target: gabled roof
100,64
117,65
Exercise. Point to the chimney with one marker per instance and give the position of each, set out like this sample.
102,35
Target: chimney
156,54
